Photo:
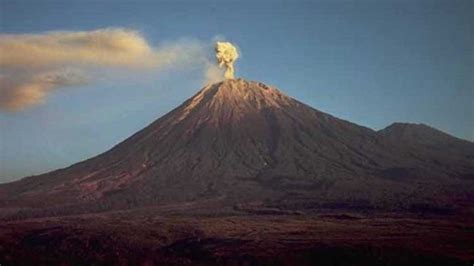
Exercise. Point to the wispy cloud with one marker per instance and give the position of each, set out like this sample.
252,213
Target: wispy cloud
33,65
21,90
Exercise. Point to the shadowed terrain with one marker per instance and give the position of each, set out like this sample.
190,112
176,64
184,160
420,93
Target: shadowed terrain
163,237
241,174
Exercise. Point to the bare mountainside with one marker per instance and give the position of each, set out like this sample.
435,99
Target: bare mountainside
241,174
251,148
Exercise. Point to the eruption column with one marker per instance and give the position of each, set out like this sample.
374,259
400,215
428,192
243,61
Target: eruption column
226,54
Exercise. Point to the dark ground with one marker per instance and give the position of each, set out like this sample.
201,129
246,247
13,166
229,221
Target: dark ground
183,236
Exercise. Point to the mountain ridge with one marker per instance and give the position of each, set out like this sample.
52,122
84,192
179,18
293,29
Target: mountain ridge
243,141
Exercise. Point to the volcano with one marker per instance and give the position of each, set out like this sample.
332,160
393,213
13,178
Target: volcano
253,159
244,142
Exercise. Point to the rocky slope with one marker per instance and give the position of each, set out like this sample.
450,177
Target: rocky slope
250,147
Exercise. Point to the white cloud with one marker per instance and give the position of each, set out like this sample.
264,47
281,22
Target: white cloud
33,65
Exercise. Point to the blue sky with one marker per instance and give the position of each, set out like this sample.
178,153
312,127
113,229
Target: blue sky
369,62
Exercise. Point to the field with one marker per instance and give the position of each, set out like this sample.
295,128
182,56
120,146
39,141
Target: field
186,236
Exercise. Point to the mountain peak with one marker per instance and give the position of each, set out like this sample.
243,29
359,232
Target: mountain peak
420,133
403,126
234,99
253,93
243,141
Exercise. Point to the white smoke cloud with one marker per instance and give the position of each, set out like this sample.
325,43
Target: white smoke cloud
104,47
213,73
33,65
226,54
21,90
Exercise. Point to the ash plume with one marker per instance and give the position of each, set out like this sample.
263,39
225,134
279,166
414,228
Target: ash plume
226,54
34,65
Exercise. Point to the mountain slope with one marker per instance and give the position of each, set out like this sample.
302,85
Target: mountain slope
247,144
427,137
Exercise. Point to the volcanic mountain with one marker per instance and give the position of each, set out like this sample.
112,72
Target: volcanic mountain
249,146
